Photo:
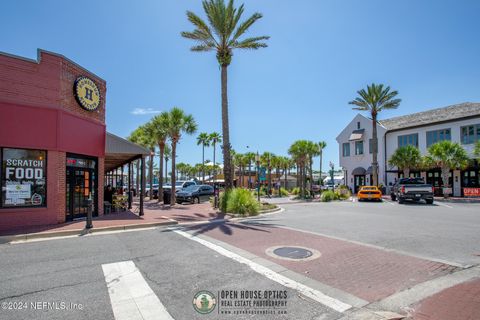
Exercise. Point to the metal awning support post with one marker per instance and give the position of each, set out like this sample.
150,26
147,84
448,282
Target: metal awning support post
130,193
142,185
122,183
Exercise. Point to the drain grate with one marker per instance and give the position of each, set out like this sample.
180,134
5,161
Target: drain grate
293,252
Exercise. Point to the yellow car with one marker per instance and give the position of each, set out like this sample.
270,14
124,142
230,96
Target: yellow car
369,193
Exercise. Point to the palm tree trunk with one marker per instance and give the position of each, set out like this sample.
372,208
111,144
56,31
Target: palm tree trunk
150,175
249,184
311,176
203,163
174,152
320,177
214,169
445,176
161,146
285,172
375,151
227,165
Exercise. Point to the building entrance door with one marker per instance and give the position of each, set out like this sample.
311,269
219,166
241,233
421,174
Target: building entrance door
81,184
79,189
358,182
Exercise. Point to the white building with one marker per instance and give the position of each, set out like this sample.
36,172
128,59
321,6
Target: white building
459,123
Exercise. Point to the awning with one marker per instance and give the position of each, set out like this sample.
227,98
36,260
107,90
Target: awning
356,135
119,151
359,171
369,170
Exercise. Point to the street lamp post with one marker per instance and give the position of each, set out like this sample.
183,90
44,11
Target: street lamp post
332,166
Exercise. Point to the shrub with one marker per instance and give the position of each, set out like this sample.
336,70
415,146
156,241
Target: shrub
296,191
328,195
241,201
283,192
343,193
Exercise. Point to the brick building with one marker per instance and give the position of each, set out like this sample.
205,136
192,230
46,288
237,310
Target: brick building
52,140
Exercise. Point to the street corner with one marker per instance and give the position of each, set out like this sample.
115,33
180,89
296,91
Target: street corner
461,302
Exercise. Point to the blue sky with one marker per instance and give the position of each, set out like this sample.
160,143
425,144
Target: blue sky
319,55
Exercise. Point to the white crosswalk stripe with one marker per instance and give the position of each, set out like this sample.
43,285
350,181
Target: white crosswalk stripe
130,295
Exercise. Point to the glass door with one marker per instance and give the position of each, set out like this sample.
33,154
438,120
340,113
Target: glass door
79,187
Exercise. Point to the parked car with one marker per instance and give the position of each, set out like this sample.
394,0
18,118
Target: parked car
179,185
195,194
414,189
369,193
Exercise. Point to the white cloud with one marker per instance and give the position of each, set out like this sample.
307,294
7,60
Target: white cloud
144,111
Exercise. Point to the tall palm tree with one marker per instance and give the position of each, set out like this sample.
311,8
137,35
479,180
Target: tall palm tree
266,160
321,145
215,138
144,136
447,155
138,136
204,140
313,150
239,162
406,158
178,122
159,123
374,100
222,35
299,153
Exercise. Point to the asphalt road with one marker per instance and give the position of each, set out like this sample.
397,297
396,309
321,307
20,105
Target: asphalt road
174,267
444,231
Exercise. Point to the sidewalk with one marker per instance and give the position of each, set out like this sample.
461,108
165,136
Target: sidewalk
459,302
155,214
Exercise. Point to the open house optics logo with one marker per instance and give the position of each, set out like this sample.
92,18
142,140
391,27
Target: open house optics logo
87,93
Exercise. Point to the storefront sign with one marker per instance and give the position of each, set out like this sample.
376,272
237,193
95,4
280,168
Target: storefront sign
471,192
23,177
87,93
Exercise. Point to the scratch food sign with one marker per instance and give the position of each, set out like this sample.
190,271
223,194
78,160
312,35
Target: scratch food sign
24,177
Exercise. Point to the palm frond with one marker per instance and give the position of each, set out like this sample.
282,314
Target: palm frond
243,27
203,47
202,29
250,43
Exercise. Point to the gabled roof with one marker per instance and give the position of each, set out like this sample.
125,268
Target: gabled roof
454,112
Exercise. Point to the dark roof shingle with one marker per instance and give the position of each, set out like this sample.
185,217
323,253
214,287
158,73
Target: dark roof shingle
453,112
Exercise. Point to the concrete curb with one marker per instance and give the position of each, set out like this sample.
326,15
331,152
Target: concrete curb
81,232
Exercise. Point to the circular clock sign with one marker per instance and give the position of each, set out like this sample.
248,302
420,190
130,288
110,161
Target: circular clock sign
87,93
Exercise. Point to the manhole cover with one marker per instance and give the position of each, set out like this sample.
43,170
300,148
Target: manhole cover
293,253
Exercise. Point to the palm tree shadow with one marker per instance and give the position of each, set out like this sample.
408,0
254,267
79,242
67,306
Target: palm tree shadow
228,228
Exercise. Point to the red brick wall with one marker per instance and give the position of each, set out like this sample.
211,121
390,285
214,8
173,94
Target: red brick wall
38,110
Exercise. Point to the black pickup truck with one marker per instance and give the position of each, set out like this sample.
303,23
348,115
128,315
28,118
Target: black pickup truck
414,189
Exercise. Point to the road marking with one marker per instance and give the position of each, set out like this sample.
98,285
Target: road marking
130,295
443,204
389,202
311,293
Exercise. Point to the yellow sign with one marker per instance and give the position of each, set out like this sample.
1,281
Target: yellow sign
87,93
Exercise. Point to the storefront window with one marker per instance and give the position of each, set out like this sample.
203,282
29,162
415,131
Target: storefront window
24,178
